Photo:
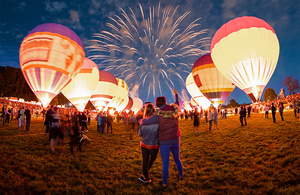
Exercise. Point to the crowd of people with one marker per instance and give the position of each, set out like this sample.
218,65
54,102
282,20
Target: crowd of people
158,128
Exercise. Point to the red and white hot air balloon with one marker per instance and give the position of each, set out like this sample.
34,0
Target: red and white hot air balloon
50,56
212,84
105,90
246,50
83,85
196,94
129,104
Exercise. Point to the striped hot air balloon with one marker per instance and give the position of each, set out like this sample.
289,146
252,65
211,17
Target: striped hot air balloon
105,90
50,56
214,86
196,94
246,51
129,104
83,85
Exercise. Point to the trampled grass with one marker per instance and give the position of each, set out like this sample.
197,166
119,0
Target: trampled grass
260,158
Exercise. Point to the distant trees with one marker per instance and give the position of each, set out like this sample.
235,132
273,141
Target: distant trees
233,104
292,84
13,84
269,94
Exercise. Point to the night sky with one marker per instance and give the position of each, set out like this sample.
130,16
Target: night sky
85,18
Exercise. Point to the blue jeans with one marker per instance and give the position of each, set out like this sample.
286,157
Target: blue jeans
165,156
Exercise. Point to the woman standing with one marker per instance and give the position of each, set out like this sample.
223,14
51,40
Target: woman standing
149,140
281,110
210,118
196,120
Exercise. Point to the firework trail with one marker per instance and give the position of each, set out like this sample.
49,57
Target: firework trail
152,54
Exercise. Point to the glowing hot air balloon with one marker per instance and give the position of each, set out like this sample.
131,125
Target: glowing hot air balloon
105,90
82,86
137,104
214,86
246,51
196,94
120,96
129,104
50,56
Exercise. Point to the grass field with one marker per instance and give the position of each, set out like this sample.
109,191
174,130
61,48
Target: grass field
260,158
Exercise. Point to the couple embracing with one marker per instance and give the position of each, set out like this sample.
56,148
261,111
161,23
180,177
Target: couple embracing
159,130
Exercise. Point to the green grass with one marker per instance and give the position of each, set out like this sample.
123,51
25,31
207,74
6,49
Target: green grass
260,158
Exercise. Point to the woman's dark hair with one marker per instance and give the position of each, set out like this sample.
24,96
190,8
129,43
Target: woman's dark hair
149,110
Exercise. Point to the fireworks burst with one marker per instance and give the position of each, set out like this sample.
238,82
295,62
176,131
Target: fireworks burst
152,54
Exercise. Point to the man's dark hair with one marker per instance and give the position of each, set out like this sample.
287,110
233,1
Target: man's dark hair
161,100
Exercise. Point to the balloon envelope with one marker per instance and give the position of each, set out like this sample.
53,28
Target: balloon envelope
121,95
137,104
50,56
214,86
82,86
196,94
246,51
105,90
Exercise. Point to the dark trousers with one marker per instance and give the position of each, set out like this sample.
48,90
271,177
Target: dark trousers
7,120
242,119
266,114
109,125
83,126
149,156
273,115
281,114
27,125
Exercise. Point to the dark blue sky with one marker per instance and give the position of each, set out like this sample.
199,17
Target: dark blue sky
87,17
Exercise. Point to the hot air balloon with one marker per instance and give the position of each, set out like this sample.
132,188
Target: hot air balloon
214,86
196,94
105,90
246,50
82,86
193,103
137,104
120,96
50,56
129,104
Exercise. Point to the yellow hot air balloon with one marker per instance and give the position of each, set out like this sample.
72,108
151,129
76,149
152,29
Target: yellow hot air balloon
105,90
120,96
212,84
246,50
82,86
196,94
50,56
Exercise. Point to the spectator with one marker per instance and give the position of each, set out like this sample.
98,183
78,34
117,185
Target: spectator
149,140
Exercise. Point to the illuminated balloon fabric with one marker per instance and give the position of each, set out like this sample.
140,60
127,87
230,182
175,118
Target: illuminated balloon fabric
196,94
246,51
137,104
82,86
193,103
105,90
214,86
50,55
129,104
121,94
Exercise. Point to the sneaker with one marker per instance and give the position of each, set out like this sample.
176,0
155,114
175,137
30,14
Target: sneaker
143,179
164,186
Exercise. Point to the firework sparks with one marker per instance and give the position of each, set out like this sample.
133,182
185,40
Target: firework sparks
153,53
